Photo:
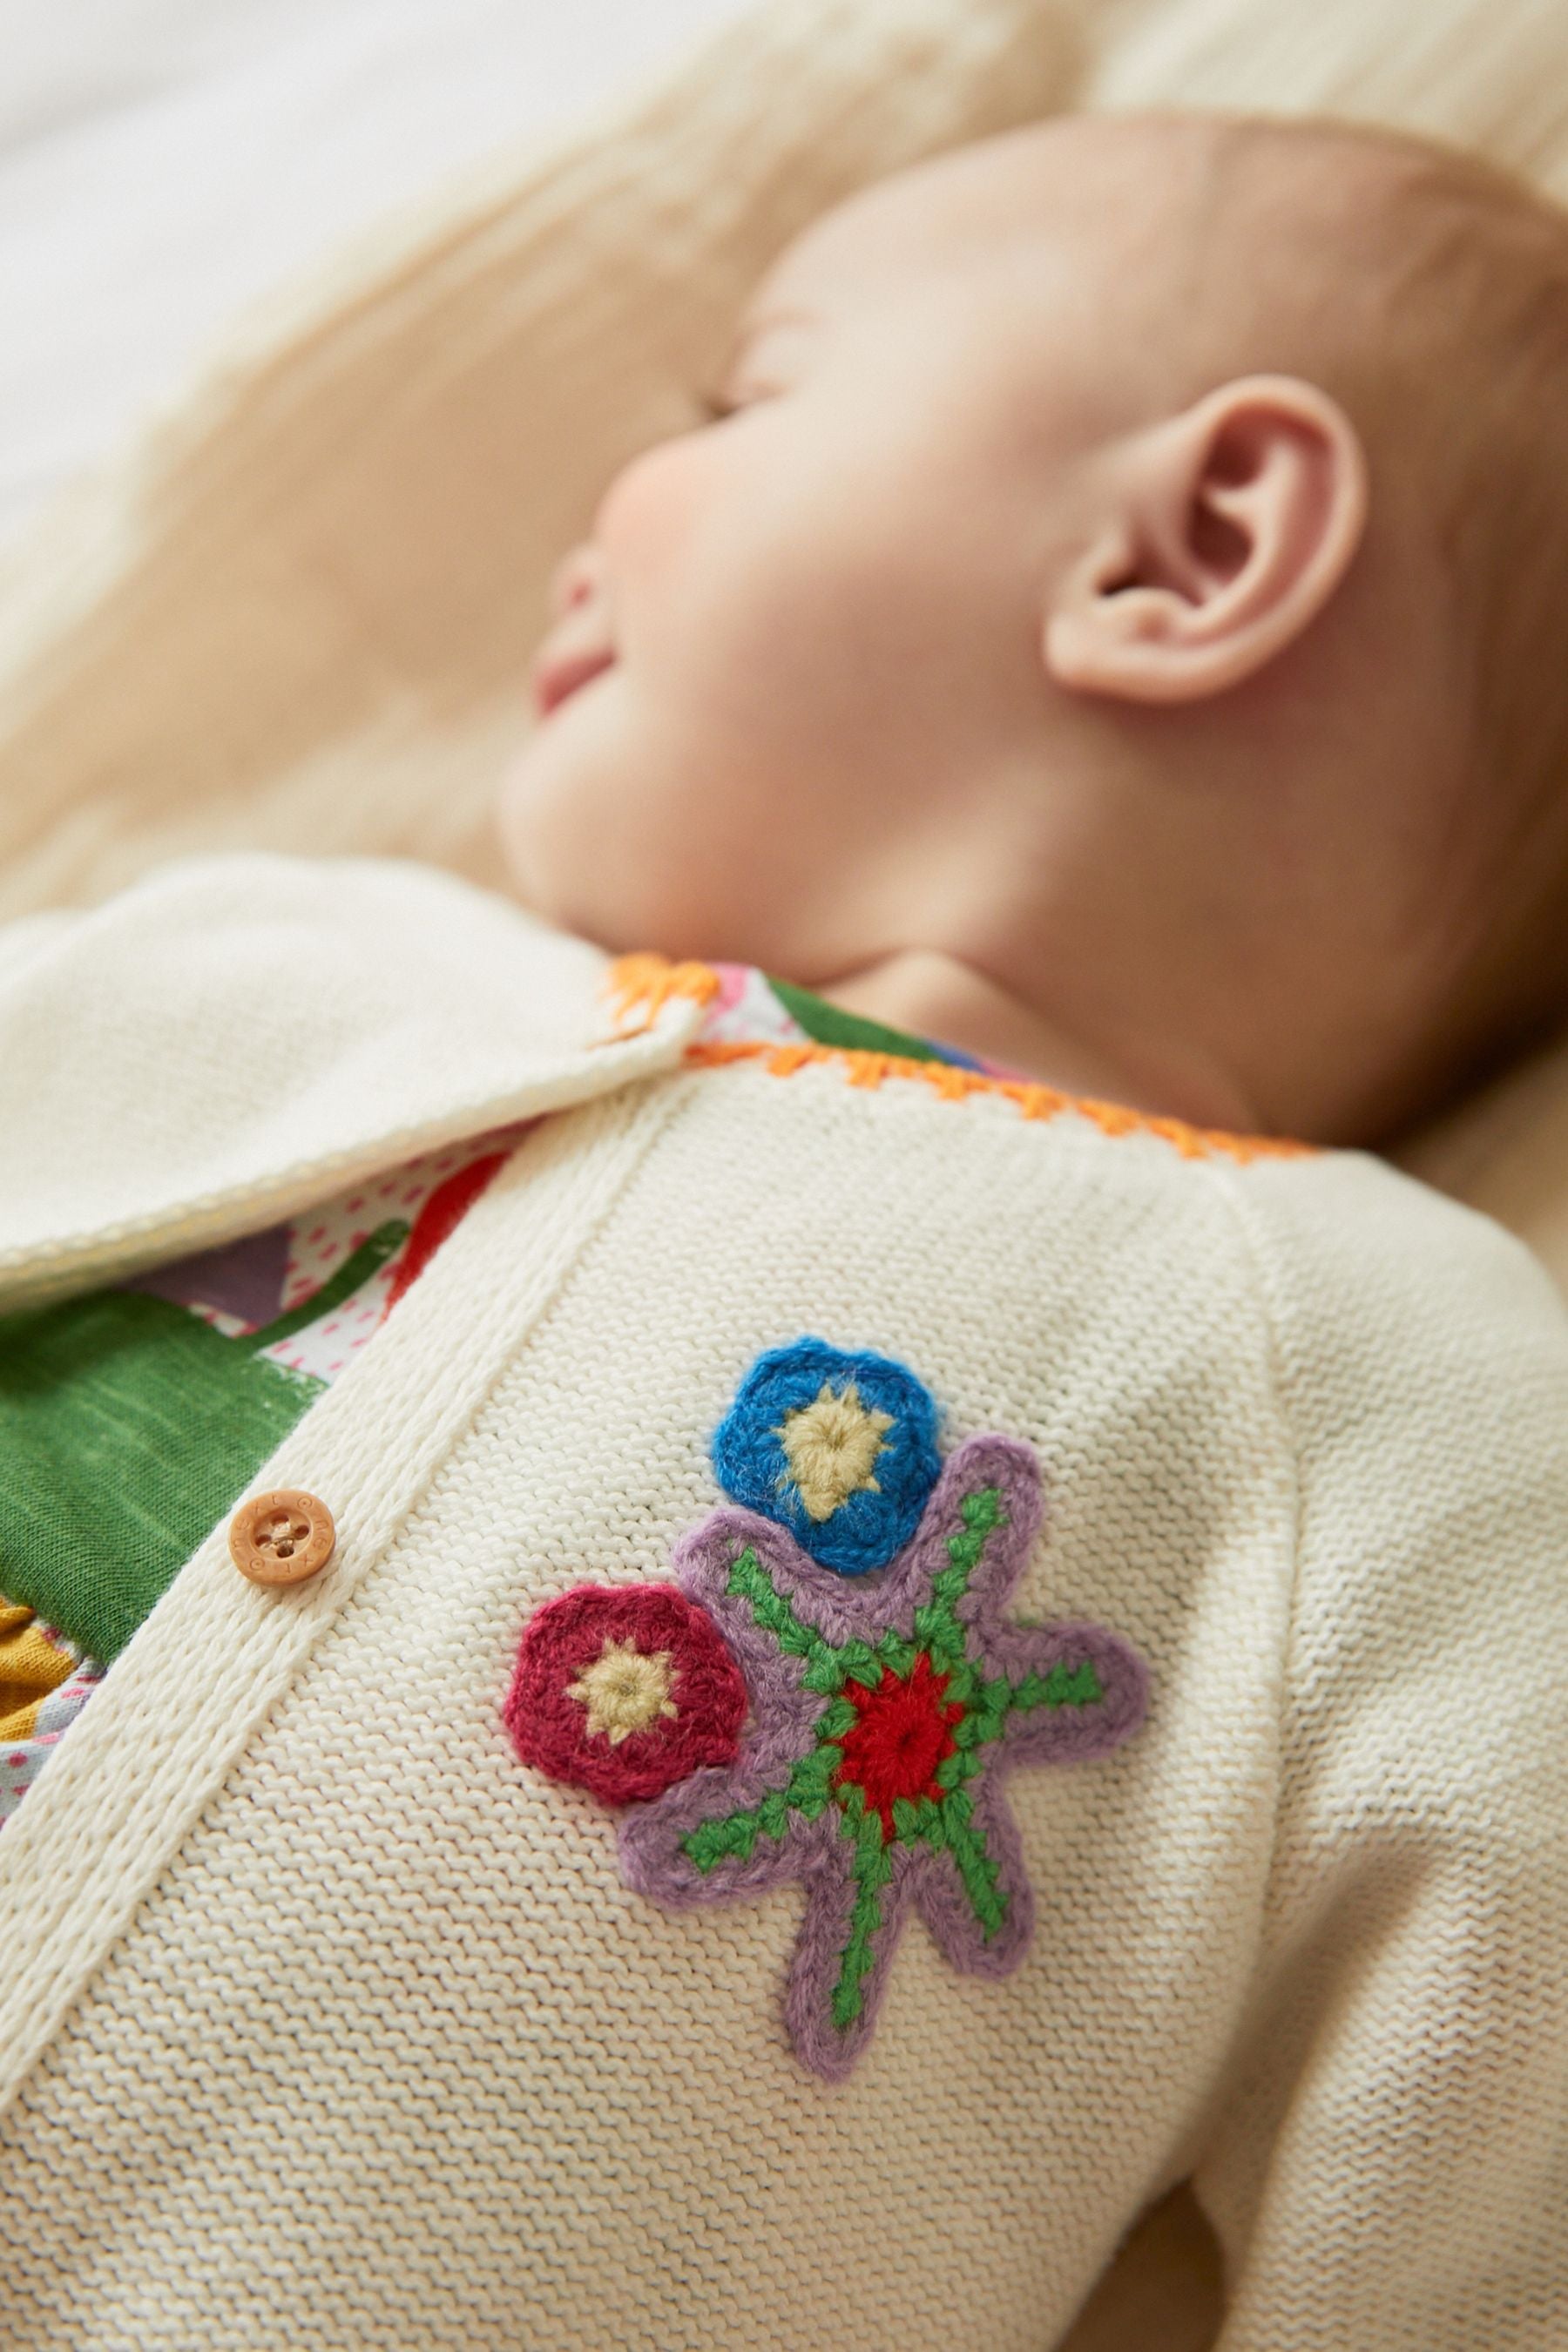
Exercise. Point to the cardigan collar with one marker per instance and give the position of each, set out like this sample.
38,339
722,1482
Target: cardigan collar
237,1037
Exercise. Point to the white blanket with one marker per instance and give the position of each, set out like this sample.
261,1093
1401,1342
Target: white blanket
165,164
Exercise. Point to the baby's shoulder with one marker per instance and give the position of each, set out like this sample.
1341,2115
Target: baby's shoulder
1421,1349
1346,1244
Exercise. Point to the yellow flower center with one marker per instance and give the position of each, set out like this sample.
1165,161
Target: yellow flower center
831,1445
623,1690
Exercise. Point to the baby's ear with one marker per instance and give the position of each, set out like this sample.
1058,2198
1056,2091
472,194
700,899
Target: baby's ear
1220,534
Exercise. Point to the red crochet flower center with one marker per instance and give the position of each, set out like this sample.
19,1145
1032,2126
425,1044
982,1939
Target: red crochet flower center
549,1727
903,1732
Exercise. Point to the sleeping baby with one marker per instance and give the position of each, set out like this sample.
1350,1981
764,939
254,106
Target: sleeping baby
730,1617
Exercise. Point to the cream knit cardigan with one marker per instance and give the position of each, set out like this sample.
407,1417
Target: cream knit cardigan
327,2025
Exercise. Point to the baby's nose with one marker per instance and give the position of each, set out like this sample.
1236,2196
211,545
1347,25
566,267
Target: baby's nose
576,578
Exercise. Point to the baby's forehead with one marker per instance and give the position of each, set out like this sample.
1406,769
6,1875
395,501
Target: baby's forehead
977,202
1149,197
1091,237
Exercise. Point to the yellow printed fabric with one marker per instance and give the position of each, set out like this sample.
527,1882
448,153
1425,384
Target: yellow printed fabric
31,1666
46,1680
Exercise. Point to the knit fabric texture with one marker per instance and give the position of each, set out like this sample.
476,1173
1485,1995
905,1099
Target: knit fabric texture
327,2021
552,2153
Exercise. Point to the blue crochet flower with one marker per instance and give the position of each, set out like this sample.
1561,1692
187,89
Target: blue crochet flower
838,1448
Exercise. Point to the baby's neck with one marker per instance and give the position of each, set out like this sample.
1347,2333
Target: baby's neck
936,995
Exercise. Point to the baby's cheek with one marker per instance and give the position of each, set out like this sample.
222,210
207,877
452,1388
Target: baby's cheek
648,515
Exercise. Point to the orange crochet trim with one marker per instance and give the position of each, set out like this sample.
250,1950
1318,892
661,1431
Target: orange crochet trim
956,1085
651,982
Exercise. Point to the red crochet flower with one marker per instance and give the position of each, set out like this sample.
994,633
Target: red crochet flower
901,1733
623,1690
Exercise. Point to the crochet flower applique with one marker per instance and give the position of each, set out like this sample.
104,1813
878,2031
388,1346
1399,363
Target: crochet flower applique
831,1691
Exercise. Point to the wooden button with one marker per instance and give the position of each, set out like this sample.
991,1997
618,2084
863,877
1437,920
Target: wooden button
281,1537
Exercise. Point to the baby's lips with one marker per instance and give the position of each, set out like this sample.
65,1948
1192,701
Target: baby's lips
558,672
581,645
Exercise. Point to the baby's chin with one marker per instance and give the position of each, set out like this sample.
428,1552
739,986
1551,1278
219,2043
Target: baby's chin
590,847
522,826
557,798
548,869
638,823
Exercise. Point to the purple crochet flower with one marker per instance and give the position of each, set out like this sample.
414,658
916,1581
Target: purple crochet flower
886,1713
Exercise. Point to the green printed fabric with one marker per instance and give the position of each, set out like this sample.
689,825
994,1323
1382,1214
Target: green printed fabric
828,1024
127,1427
